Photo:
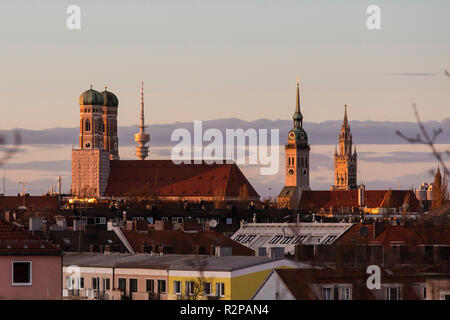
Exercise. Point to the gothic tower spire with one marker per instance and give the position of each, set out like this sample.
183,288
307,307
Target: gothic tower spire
345,162
297,161
141,137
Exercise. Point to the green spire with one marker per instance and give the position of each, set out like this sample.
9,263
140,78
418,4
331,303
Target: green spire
298,117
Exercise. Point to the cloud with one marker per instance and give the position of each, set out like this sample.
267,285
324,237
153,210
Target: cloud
412,74
397,157
50,166
323,133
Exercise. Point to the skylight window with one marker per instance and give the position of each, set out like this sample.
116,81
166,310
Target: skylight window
329,239
286,240
275,239
299,239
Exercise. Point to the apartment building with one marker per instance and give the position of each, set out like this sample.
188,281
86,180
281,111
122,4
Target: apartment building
167,277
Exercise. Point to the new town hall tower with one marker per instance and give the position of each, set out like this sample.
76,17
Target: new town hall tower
345,160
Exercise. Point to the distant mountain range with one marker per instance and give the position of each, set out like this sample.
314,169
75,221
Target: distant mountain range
323,133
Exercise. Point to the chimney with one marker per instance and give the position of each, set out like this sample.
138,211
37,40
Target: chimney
298,217
124,217
361,195
254,218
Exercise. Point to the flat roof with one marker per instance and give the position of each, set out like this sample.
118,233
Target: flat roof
167,261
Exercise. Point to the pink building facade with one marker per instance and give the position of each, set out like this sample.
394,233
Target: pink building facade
30,268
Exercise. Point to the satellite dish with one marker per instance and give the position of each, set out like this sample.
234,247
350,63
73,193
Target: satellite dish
364,231
213,223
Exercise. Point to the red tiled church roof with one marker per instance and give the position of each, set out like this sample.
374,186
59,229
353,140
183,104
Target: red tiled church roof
16,241
325,199
166,179
31,202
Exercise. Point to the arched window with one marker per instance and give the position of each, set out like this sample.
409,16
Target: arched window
289,161
87,125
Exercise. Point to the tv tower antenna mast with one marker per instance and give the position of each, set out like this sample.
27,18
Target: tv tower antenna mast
142,137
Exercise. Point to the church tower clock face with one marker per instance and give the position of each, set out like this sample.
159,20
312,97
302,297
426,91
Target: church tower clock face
291,172
291,136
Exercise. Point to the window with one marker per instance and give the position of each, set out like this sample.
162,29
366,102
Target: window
207,288
100,220
298,240
249,239
275,239
106,284
133,285
150,285
21,273
262,251
189,288
81,283
177,287
162,286
286,240
328,239
326,293
220,289
229,220
150,220
95,283
70,282
393,293
346,294
123,284
87,125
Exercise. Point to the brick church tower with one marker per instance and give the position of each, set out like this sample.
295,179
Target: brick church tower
297,161
98,143
345,161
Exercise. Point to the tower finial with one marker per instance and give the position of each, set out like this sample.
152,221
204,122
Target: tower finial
345,116
91,86
298,117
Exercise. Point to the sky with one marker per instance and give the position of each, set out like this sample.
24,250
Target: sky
203,60
207,60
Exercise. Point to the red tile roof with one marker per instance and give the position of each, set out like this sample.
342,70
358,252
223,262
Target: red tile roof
166,179
300,281
411,236
184,243
31,202
16,241
318,199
